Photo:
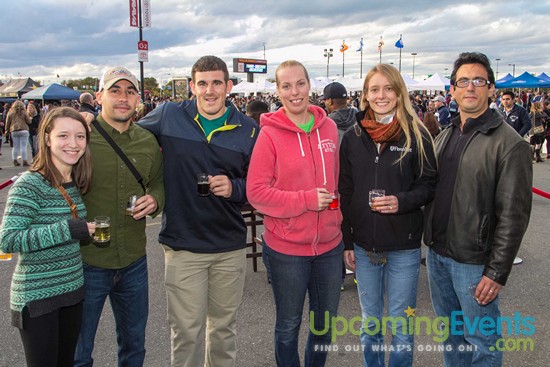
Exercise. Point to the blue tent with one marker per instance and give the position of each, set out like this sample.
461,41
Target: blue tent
504,79
543,76
52,91
525,80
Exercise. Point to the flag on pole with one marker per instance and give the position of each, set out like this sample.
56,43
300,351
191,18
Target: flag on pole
399,43
360,46
344,47
380,44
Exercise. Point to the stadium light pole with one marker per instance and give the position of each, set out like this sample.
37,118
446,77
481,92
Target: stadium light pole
414,56
513,69
497,59
328,53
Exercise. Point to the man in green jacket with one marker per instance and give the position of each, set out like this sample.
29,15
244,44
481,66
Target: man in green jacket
118,270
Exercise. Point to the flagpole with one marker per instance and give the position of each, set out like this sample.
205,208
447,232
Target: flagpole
343,56
380,48
361,73
400,48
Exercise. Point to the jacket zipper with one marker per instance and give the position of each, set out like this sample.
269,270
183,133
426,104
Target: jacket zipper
376,159
315,179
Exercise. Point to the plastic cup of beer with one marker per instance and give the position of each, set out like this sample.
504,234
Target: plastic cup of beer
334,204
131,204
102,234
203,187
373,194
4,256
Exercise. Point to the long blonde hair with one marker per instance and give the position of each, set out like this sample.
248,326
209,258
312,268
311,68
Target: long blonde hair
536,107
31,110
408,120
18,107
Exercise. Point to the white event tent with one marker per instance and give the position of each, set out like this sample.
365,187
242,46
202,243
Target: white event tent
435,82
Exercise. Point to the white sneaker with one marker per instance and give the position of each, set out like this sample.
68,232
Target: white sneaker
518,260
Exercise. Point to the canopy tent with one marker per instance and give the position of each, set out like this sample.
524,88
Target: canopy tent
14,88
265,86
504,79
435,82
543,76
248,87
351,84
244,87
318,85
525,80
410,82
52,91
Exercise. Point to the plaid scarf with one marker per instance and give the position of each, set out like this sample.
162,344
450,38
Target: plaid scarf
381,133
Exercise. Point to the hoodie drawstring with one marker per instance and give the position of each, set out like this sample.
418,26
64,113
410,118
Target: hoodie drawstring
301,147
322,158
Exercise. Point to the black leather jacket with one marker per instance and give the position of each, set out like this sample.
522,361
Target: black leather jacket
492,196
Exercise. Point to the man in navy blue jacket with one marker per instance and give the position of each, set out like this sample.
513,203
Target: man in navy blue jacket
204,236
516,116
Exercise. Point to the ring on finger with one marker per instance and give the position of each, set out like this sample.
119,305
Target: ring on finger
390,207
491,291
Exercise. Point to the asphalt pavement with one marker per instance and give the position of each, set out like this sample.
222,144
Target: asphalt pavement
527,292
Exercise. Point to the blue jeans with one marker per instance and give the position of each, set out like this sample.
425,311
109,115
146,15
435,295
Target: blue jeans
399,276
128,291
20,139
449,288
291,277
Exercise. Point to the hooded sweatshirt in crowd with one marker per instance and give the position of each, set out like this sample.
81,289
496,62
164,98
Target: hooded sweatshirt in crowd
344,119
286,168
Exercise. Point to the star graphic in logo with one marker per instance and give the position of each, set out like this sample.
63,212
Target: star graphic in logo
410,311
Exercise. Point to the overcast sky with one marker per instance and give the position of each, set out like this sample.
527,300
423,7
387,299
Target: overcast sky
75,39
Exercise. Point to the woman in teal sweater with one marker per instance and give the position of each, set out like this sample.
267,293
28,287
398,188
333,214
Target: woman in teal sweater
43,221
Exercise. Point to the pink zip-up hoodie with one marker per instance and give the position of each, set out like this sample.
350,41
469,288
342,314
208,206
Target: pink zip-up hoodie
286,168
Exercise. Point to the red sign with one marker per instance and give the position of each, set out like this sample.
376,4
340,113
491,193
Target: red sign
134,20
143,46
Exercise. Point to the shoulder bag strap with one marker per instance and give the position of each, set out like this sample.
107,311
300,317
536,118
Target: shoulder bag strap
120,153
74,211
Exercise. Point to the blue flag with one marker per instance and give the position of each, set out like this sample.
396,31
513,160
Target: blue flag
360,46
399,43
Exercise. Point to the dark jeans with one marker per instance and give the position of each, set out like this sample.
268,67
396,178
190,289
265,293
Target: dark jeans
291,278
128,291
50,340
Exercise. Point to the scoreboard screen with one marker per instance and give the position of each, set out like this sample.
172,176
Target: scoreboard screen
241,65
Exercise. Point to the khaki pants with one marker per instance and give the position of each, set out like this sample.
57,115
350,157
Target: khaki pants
203,293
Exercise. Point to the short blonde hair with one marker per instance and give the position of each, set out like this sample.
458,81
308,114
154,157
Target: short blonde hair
288,64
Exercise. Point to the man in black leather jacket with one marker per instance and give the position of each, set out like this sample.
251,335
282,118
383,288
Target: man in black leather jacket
480,212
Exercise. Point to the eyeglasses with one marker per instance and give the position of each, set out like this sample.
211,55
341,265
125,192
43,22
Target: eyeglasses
477,82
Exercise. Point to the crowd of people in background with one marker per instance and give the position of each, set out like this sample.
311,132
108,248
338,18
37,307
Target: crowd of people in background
435,110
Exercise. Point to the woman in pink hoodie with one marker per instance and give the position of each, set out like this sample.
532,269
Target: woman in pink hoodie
292,180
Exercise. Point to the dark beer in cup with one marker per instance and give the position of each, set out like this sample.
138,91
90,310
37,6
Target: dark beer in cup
203,187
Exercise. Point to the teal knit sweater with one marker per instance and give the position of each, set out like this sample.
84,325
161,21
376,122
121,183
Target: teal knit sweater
38,225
